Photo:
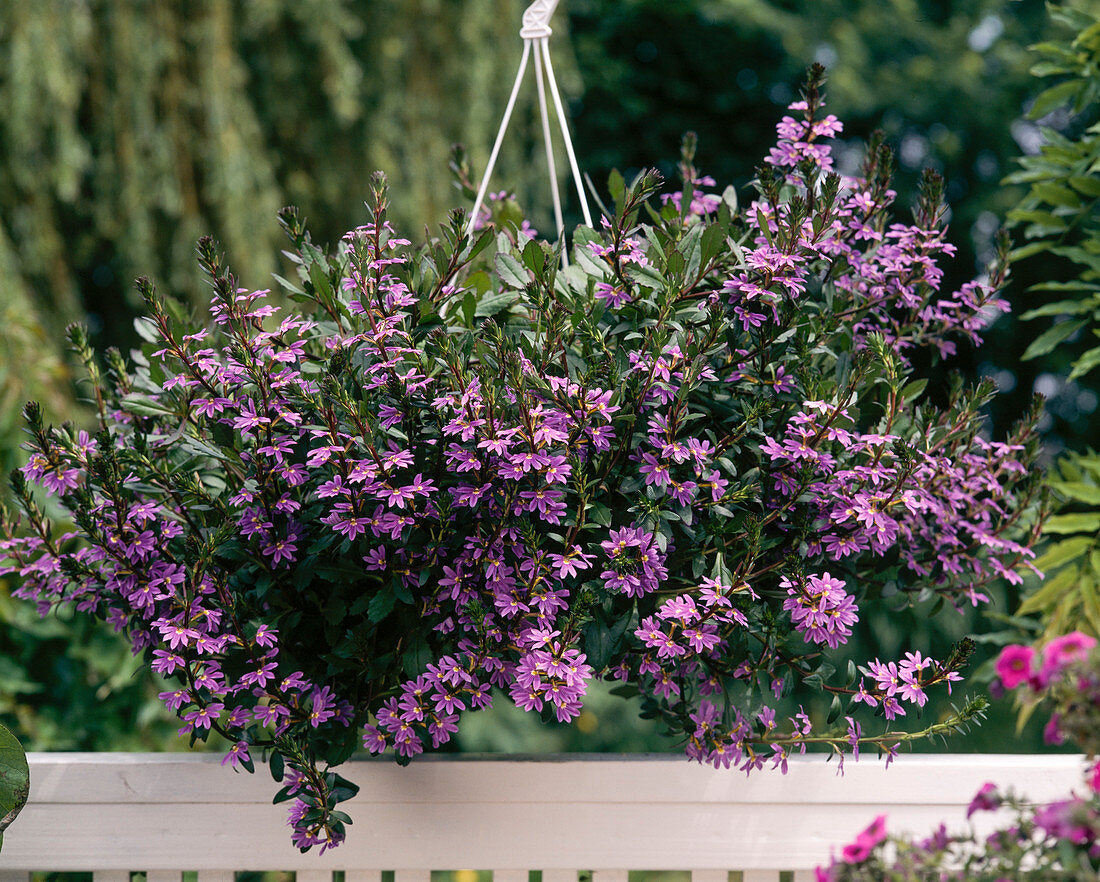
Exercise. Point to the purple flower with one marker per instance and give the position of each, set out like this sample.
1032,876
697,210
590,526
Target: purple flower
237,754
202,717
281,550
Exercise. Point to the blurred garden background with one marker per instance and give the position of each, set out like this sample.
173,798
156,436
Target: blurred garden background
128,129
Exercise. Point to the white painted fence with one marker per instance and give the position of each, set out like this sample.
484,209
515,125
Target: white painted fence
167,813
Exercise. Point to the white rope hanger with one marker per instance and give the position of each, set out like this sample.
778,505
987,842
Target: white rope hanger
536,35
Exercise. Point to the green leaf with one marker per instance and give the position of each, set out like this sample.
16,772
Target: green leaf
318,275
1075,19
1051,337
598,644
1086,363
1053,98
1061,307
729,196
1028,250
1090,604
913,390
1051,592
147,329
1073,523
1062,552
1048,69
1043,220
1078,490
511,271
492,303
616,186
290,286
381,604
534,257
1083,184
144,405
15,778
586,260
1057,195
480,244
714,240
599,513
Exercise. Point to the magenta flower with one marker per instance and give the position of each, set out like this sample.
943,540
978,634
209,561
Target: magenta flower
860,849
1013,665
987,799
1063,651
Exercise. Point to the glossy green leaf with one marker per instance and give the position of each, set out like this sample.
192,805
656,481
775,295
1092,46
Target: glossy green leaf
1050,338
15,778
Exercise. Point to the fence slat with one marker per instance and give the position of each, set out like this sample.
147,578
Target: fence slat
132,812
216,876
311,876
804,876
164,876
559,876
362,876
412,876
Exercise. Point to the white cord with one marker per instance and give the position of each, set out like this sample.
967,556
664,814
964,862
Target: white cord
550,164
565,134
500,137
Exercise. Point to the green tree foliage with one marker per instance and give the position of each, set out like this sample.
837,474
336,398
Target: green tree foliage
1060,217
946,82
131,129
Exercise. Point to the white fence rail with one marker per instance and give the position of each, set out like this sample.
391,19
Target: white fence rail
163,814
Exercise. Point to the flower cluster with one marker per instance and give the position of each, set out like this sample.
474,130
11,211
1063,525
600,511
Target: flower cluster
1053,841
1066,673
1058,841
460,475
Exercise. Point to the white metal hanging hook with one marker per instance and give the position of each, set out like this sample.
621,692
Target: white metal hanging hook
536,33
